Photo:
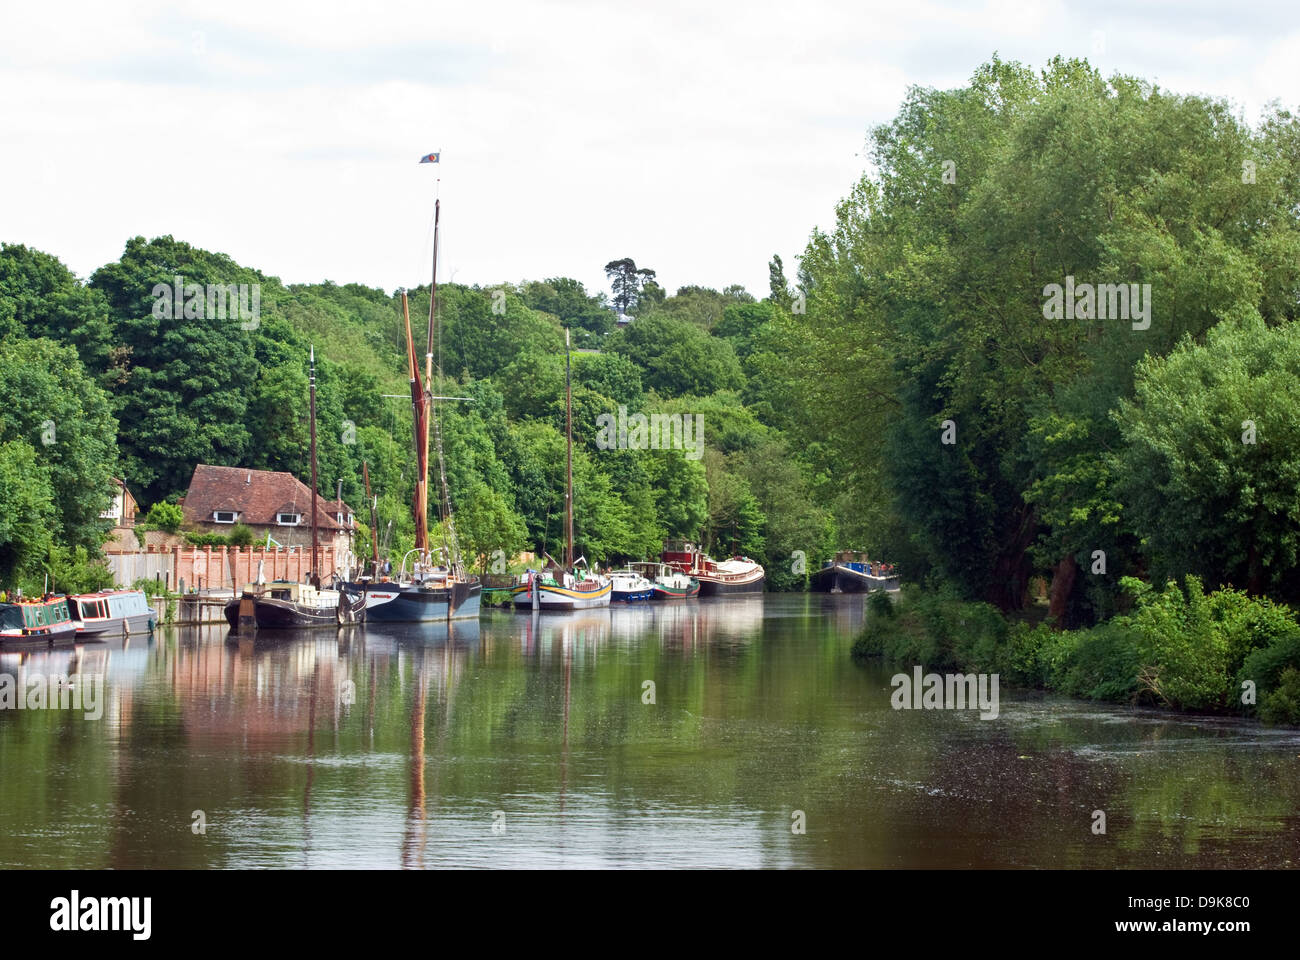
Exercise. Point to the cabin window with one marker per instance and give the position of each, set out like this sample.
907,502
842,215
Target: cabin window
288,519
223,516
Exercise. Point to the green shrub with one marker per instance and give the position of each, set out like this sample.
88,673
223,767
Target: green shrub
1282,705
1100,663
164,516
241,535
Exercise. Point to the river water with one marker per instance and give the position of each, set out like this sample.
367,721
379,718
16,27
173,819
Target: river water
514,742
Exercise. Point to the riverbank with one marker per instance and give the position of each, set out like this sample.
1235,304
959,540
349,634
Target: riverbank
1179,648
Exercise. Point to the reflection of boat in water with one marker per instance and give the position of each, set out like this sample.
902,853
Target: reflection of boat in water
455,632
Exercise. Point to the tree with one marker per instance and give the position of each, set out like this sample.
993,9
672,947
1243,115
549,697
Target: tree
779,288
677,357
26,514
926,303
626,280
1211,458
486,524
48,401
186,387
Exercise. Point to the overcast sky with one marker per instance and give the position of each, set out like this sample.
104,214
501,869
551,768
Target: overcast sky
697,138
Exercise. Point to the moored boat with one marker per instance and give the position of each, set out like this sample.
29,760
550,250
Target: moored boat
111,613
558,590
431,591
571,586
36,621
628,586
717,577
848,572
667,583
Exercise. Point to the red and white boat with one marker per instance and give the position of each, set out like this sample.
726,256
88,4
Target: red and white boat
717,577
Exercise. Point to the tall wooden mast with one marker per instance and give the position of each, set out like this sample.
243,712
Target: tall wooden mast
568,483
315,570
419,408
374,520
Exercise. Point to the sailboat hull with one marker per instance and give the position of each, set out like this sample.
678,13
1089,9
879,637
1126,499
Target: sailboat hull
388,602
560,598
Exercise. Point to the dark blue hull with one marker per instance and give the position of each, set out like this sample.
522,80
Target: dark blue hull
416,603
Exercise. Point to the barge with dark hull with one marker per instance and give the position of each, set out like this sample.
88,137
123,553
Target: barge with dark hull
850,573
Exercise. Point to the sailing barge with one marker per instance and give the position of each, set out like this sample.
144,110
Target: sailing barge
437,587
571,586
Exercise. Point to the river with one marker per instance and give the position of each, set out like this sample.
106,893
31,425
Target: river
719,733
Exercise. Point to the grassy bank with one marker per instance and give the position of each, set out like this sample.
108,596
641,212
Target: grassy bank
1178,647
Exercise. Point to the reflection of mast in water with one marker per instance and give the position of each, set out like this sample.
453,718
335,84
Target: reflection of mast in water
311,763
564,750
422,798
416,812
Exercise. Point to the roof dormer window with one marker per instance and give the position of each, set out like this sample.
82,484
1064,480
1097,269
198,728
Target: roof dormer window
288,519
224,516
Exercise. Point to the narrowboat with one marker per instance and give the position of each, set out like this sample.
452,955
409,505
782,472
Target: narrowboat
36,621
111,613
717,577
560,590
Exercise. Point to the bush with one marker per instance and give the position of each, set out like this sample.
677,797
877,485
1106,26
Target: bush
164,516
152,588
241,535
1101,663
932,629
1282,705
75,571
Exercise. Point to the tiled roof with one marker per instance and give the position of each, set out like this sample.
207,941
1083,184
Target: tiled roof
257,495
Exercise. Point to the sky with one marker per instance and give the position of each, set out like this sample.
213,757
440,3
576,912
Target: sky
698,138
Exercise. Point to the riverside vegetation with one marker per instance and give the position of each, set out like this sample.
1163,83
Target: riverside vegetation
917,393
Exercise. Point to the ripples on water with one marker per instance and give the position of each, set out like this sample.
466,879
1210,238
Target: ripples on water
511,742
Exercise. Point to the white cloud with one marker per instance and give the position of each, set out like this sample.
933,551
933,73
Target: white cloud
699,139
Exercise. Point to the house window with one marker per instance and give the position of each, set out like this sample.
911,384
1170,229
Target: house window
223,516
288,519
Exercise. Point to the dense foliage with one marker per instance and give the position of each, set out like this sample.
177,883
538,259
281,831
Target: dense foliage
143,381
990,436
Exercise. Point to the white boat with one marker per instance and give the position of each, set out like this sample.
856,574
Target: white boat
111,613
628,586
544,590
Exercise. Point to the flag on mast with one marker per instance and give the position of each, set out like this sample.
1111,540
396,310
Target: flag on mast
431,157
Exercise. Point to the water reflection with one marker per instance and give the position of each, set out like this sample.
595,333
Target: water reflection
660,734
